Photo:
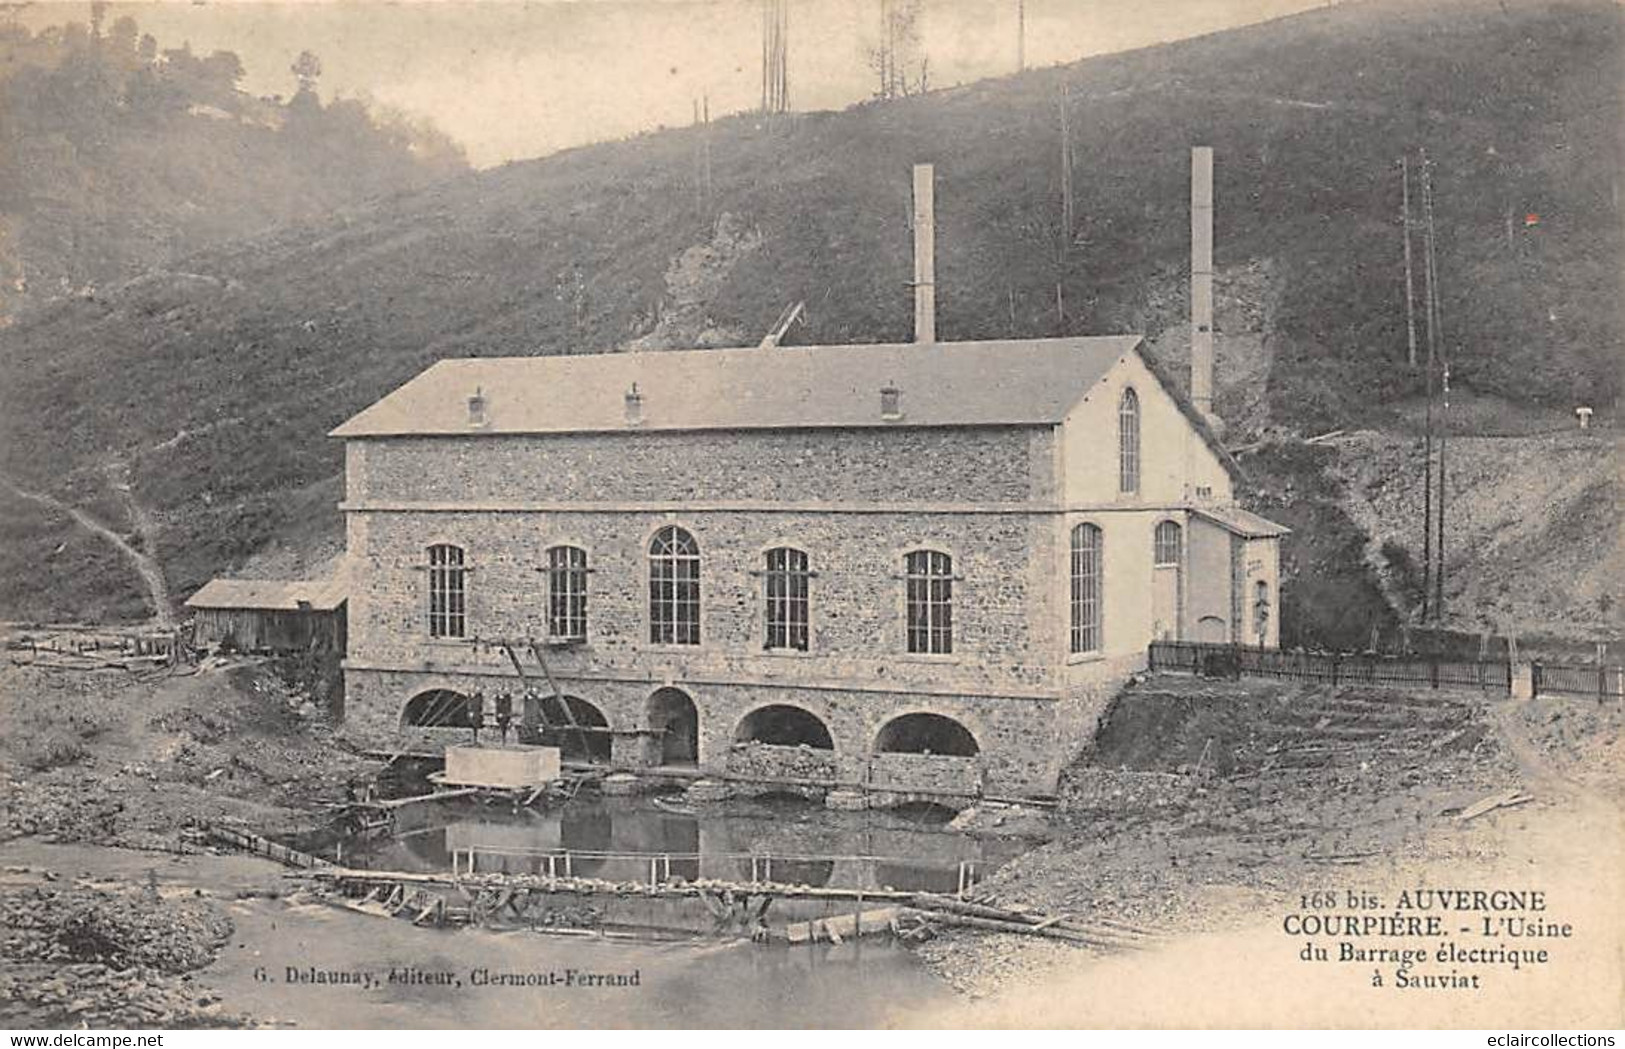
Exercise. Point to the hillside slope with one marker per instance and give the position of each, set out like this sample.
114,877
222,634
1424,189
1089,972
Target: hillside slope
214,391
1532,538
117,157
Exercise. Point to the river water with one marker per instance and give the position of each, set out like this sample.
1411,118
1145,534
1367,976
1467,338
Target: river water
287,957
729,985
312,963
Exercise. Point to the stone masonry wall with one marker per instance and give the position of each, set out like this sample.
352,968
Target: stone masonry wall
1006,637
888,465
1009,730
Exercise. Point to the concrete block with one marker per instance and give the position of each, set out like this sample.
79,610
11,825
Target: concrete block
504,767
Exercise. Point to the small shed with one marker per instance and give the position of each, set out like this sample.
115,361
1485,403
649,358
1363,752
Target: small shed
270,615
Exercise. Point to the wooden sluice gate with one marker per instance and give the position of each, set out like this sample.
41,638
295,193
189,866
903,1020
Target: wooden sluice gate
664,907
794,914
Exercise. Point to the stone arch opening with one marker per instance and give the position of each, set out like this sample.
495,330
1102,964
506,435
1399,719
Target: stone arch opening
589,741
783,725
438,708
810,871
926,734
676,722
925,813
917,877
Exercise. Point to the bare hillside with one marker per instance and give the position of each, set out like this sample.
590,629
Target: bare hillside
1532,538
212,394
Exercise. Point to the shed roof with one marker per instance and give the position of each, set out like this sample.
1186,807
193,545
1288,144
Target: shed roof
271,595
1003,382
1241,522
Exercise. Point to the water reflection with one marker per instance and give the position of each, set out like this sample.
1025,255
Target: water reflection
785,841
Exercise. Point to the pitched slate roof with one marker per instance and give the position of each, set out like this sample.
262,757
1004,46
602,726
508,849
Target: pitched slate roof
1241,522
1005,382
272,595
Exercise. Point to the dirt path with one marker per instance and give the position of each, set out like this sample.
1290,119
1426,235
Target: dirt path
1590,806
152,576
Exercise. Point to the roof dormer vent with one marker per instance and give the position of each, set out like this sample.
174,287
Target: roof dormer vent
891,402
477,407
634,406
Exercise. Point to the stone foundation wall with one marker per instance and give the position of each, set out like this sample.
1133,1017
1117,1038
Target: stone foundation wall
928,774
769,761
1023,743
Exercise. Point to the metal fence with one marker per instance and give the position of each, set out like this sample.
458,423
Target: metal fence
1333,668
1352,668
1578,679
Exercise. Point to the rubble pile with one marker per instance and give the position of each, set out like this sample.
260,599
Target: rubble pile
1097,788
76,956
119,929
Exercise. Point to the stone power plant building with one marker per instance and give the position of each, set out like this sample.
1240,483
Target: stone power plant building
917,569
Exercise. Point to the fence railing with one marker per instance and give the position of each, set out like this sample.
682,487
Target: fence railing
1333,668
1340,668
1578,679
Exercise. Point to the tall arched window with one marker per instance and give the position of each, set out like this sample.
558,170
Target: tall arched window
448,591
1087,572
567,592
929,595
674,588
786,583
1128,442
1166,549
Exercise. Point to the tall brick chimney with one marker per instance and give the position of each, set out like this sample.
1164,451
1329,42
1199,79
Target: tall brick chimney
1202,280
925,265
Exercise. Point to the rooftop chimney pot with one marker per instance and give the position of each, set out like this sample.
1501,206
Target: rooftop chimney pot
634,406
476,408
891,402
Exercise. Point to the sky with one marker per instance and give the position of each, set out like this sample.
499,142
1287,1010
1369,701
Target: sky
511,79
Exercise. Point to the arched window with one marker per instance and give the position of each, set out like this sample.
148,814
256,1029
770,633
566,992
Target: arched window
1166,549
786,583
567,592
930,599
1128,442
674,588
448,591
1086,588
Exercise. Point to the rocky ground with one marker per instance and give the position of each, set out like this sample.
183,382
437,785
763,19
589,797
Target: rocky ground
1531,536
77,954
1204,804
125,759
111,758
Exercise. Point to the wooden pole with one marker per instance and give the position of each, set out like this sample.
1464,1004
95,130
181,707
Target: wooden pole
1021,35
1410,294
1435,350
1427,439
1066,175
1444,433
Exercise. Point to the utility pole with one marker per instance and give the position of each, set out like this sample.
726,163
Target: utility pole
699,160
705,132
1066,175
1444,432
1427,456
1021,35
775,56
1410,294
